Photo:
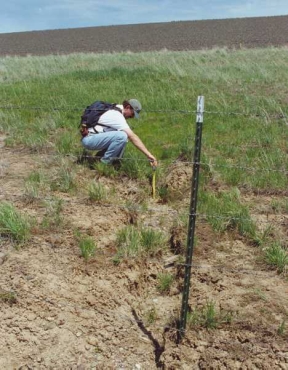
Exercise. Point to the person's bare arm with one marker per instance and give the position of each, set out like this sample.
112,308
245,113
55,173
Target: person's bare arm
139,145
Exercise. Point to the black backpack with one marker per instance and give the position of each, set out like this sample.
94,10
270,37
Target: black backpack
92,113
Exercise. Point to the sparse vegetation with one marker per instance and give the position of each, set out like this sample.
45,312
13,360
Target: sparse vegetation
282,328
243,185
64,179
97,192
165,281
33,184
208,317
87,245
151,316
13,224
224,211
8,297
53,214
277,256
135,241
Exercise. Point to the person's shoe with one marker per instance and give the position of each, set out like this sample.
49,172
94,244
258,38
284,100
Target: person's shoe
82,157
100,153
116,164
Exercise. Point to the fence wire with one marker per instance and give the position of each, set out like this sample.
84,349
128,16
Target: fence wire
175,162
195,266
277,115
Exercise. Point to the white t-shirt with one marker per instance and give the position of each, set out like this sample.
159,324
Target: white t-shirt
113,119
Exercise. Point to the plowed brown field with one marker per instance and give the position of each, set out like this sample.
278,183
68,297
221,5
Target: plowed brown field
185,35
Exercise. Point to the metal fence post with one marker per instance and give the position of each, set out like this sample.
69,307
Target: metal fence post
192,217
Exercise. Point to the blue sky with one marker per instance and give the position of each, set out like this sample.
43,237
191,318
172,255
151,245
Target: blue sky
34,15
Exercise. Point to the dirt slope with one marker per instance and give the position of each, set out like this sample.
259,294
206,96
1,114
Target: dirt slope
58,312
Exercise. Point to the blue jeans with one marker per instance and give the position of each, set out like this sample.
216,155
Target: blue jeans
114,142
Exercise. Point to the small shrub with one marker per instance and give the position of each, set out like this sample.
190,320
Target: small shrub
104,169
163,193
128,242
151,240
185,150
279,206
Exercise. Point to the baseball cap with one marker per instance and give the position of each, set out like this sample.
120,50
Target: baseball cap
136,105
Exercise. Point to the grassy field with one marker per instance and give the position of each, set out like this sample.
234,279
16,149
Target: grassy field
245,122
243,178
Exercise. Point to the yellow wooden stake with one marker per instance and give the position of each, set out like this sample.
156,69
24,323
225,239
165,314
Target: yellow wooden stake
154,183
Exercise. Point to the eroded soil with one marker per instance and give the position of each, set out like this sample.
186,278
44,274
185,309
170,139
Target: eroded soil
59,312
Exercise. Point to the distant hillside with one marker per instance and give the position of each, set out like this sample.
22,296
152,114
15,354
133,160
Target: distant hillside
184,35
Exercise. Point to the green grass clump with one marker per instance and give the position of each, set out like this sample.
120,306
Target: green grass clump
33,184
151,316
13,224
208,317
164,283
86,245
224,212
139,242
97,192
277,256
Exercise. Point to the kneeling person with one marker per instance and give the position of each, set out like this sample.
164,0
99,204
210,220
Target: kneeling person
112,132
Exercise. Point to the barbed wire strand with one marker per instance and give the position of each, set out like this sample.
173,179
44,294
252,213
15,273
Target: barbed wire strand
279,115
173,162
222,268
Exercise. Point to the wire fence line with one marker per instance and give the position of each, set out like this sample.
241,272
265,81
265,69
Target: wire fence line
210,165
176,162
277,115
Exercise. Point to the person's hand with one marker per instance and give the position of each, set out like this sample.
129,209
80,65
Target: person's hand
153,162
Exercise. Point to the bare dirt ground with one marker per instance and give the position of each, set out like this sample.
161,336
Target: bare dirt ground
68,314
186,35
